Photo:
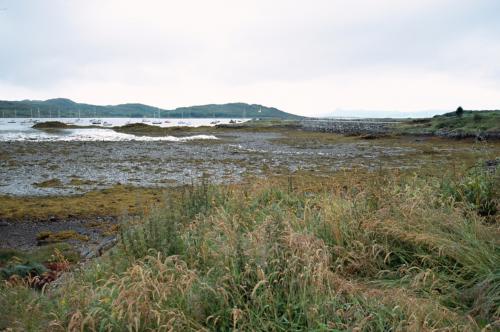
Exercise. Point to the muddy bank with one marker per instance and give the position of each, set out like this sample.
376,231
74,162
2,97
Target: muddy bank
84,235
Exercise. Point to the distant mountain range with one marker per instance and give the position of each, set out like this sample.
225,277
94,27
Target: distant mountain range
62,107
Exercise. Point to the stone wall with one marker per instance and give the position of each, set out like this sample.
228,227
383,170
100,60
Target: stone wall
348,127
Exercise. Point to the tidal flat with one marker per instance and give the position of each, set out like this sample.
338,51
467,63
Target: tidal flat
68,185
74,168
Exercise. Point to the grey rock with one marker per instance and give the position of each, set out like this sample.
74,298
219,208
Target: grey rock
105,245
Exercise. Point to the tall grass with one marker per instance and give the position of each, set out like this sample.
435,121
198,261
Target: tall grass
479,189
371,252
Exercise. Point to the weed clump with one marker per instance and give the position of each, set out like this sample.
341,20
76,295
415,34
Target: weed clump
478,189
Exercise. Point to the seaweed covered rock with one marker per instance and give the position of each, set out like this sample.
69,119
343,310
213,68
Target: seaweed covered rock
51,125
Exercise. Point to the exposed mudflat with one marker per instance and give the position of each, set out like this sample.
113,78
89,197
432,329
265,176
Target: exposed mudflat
23,235
32,168
61,168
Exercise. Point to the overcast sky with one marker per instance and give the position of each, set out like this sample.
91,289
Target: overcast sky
315,57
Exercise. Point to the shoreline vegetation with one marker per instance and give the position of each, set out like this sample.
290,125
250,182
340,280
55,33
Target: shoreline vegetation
357,248
386,250
481,124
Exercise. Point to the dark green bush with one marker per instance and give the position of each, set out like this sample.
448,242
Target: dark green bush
22,270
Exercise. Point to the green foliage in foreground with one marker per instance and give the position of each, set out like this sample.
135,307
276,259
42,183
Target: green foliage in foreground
372,252
15,262
478,189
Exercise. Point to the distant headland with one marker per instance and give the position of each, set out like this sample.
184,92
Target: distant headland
66,108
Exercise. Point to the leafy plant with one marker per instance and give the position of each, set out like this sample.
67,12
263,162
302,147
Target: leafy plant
478,189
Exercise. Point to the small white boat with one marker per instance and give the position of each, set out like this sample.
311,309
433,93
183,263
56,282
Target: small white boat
107,124
157,120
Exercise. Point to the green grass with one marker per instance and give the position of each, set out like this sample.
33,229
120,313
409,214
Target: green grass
382,251
32,262
471,122
42,254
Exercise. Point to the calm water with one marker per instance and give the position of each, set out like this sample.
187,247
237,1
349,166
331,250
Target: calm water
20,129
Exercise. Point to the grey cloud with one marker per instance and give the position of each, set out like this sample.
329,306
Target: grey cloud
237,44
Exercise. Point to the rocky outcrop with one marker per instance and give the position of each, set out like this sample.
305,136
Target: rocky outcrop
105,245
372,128
460,135
348,127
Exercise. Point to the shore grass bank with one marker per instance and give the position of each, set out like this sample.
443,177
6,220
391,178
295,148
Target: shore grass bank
481,124
385,250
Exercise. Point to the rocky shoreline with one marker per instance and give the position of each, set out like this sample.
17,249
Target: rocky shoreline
41,173
384,127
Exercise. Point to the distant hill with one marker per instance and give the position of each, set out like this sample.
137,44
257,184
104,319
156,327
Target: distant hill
67,108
